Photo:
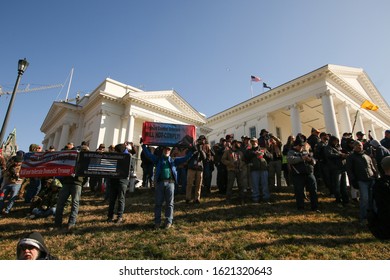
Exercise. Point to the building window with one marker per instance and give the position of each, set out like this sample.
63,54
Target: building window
252,132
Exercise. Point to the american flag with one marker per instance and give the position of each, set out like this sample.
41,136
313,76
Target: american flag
255,79
103,165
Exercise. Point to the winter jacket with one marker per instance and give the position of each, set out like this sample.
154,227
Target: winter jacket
258,158
297,163
360,167
196,161
234,160
334,158
159,162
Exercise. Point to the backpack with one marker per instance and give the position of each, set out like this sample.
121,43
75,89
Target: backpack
379,215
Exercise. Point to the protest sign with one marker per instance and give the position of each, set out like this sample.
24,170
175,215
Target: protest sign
167,134
109,165
49,164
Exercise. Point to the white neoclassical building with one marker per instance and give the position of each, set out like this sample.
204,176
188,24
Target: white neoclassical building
114,113
328,99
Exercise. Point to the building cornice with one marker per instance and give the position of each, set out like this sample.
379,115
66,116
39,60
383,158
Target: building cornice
331,72
283,89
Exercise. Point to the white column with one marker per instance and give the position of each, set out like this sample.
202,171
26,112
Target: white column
64,136
56,140
344,118
380,133
295,119
130,128
123,129
263,122
373,131
50,140
329,113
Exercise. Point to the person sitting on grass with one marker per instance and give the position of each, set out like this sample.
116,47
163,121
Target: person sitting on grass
44,204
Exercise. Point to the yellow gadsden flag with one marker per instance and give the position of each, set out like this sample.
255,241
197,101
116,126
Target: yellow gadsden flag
368,105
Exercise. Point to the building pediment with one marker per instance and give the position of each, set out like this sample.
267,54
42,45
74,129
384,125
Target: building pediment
168,102
358,85
58,110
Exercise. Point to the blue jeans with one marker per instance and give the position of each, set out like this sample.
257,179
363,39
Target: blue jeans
33,189
260,177
165,191
66,190
39,213
117,193
13,191
365,189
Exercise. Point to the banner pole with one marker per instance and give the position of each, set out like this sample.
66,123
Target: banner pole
354,122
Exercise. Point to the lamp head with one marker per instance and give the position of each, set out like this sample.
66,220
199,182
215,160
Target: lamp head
22,66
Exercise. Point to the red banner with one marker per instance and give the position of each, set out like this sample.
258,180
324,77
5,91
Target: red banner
49,164
168,134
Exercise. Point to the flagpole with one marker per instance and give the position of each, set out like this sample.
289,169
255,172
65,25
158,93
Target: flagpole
251,88
354,122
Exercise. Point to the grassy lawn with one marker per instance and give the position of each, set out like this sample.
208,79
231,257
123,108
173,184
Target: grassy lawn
212,230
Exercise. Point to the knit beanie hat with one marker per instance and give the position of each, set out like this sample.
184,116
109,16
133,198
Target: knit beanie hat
34,239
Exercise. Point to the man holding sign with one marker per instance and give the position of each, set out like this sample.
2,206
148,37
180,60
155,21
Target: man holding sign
165,178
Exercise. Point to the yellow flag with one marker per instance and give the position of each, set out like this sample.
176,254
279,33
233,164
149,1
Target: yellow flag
368,105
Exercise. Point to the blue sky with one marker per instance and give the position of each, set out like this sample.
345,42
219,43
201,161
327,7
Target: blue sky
206,50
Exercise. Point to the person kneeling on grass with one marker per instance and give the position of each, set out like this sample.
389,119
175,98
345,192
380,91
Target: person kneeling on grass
32,247
166,177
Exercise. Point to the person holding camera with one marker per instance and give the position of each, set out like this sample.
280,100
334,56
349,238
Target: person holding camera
263,139
195,171
302,173
336,162
257,158
234,161
275,164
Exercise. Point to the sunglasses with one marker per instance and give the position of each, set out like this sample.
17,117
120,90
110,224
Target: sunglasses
27,247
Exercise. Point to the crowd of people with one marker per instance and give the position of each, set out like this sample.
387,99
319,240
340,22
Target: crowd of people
50,196
350,168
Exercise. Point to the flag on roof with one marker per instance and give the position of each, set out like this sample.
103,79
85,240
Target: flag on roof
265,86
368,105
255,79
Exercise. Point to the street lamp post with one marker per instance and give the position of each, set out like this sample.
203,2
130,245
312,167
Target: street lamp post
22,66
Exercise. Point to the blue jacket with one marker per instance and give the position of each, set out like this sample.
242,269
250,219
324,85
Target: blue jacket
158,161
